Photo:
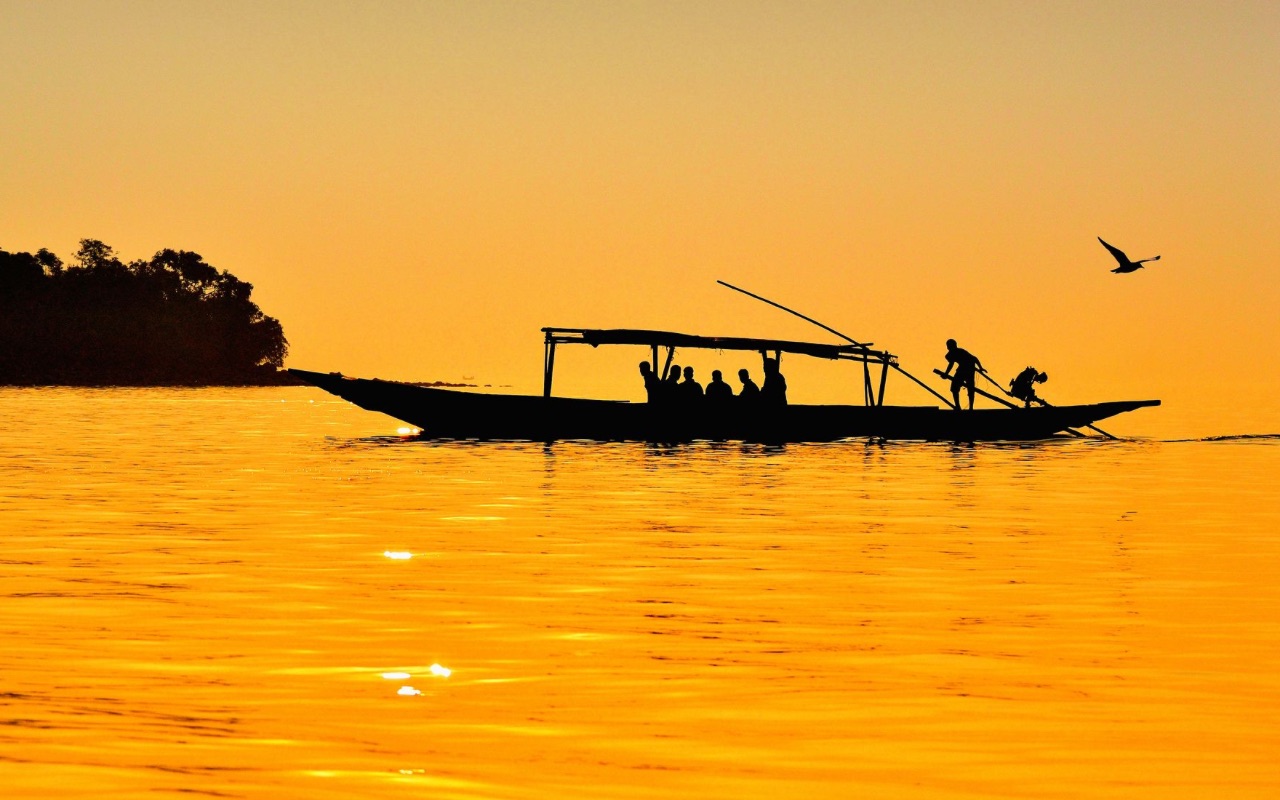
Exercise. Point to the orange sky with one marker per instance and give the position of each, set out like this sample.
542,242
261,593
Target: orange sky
414,189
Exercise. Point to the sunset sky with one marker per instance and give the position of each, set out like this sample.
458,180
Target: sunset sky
414,189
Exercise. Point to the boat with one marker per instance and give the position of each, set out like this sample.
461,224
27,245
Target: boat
456,414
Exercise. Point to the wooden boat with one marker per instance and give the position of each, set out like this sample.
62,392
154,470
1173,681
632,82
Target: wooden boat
454,414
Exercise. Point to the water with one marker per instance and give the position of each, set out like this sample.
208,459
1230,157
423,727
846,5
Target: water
205,591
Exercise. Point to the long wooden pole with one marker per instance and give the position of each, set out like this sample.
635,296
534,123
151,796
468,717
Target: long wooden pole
1001,400
918,382
830,329
946,401
987,395
797,313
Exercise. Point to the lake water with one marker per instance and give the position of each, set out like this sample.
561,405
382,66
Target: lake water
243,593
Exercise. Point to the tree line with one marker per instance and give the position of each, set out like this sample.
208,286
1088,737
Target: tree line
171,320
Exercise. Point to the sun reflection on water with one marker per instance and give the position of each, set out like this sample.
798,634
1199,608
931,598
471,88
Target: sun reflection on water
904,620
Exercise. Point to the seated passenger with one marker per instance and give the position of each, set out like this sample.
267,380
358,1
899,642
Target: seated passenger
652,386
774,391
718,392
690,390
750,392
671,386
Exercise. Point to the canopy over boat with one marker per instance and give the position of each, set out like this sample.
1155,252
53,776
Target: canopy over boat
671,340
597,337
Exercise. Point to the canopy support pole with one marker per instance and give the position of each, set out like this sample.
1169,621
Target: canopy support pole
884,376
548,366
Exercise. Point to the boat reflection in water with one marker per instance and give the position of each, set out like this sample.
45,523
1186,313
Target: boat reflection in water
448,413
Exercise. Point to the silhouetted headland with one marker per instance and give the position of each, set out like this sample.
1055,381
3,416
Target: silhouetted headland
172,320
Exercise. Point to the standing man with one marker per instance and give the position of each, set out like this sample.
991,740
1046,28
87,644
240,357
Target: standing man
967,366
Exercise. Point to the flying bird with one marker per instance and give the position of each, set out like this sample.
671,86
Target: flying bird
1125,264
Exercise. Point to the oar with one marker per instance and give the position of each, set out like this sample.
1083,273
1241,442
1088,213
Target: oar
926,387
987,395
830,329
1047,404
1002,401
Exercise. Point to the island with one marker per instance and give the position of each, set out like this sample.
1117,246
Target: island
172,320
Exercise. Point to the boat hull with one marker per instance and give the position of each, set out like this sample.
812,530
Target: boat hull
452,414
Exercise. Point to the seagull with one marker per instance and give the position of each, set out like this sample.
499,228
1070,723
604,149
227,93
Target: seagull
1125,264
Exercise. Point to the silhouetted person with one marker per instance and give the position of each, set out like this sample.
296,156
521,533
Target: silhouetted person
774,391
1023,387
750,394
652,386
719,393
1125,264
967,366
671,386
690,390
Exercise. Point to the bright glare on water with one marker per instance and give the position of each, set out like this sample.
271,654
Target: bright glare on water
269,593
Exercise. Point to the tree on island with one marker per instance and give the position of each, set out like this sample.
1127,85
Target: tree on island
170,320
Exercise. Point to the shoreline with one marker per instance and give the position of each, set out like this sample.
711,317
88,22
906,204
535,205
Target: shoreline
257,383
